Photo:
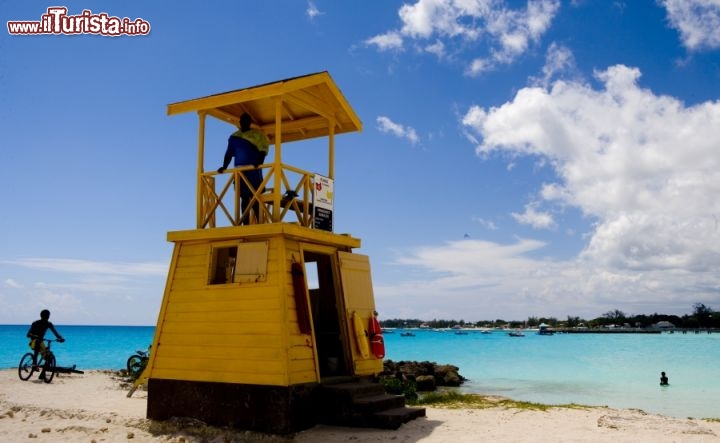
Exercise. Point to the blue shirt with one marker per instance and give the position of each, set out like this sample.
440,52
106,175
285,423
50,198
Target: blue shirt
244,152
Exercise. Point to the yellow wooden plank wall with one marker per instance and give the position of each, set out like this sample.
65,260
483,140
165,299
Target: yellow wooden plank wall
231,333
373,366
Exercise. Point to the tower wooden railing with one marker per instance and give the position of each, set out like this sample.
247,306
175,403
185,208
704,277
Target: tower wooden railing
220,197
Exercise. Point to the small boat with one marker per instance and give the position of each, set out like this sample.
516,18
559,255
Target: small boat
543,329
407,334
461,333
517,333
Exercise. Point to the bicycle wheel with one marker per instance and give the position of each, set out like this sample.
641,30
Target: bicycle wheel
26,368
135,365
49,368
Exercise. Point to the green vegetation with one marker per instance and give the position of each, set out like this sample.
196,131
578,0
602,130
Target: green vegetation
454,399
400,387
702,317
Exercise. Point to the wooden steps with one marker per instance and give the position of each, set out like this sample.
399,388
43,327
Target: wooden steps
363,404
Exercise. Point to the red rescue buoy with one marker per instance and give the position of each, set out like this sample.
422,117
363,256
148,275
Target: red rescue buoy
377,343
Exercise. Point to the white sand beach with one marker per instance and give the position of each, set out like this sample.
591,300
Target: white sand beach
93,407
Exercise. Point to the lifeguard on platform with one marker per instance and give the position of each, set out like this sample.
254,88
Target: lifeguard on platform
249,147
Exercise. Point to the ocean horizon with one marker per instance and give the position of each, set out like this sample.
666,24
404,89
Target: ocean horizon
615,370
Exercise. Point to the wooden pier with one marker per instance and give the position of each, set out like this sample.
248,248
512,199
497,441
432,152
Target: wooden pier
631,331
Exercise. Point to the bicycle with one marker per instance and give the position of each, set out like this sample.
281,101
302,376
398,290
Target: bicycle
136,363
45,363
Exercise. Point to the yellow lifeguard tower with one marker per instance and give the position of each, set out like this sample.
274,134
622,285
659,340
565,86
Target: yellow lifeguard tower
261,309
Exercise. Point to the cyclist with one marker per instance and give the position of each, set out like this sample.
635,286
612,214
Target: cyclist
36,334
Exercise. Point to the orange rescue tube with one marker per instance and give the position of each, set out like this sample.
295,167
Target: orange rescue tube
377,343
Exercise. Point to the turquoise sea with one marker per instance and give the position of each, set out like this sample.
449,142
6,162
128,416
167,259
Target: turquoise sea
616,370
87,347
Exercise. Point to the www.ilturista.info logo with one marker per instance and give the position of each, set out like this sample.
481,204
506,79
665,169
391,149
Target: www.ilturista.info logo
56,21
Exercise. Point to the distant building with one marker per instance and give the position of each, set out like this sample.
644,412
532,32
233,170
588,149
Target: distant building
664,325
544,329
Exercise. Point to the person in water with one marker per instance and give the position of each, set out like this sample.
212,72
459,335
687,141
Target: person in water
663,379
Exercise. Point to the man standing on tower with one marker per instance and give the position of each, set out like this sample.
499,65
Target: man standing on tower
248,146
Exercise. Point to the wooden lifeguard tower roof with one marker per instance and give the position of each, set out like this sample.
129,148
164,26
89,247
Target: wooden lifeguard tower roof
307,104
298,108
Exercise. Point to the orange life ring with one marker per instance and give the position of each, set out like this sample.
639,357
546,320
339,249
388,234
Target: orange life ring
377,343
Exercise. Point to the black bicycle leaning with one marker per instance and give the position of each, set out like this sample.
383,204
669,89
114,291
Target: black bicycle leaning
45,362
136,363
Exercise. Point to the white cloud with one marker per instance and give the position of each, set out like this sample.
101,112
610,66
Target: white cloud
459,260
618,150
66,265
487,224
697,21
446,18
559,62
534,218
83,291
455,23
10,283
387,41
644,168
312,11
388,126
437,48
484,279
488,280
478,66
66,307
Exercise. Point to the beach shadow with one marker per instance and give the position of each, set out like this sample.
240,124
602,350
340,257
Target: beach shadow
195,430
410,432
38,381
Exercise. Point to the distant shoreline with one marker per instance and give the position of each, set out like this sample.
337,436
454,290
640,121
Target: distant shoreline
567,330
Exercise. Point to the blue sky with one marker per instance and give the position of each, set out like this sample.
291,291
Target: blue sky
518,158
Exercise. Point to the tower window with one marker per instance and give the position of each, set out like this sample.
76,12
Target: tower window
222,267
239,263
